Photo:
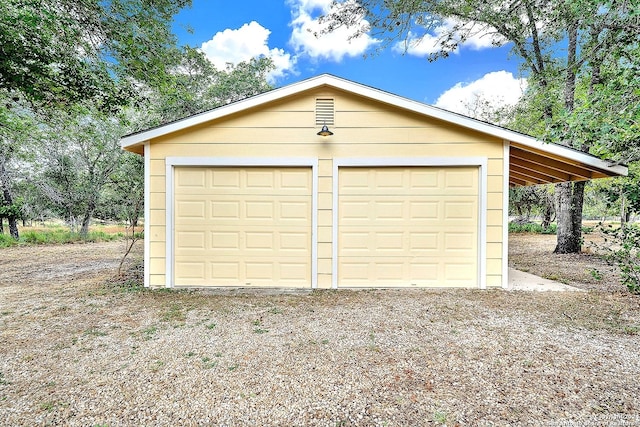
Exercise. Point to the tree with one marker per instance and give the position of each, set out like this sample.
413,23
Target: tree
125,195
15,137
561,44
536,199
55,55
621,195
79,154
199,86
64,51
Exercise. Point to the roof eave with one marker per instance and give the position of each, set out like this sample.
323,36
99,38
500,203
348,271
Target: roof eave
379,95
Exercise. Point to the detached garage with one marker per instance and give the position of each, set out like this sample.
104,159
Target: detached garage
330,184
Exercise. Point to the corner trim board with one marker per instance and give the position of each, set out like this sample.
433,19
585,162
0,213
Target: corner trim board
147,214
505,215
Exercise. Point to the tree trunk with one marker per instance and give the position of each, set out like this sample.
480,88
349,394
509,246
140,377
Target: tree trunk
577,205
8,200
546,217
569,197
13,227
623,215
86,220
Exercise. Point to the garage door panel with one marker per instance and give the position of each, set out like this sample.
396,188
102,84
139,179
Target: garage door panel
365,272
460,210
227,271
258,181
224,240
413,226
230,271
246,226
191,270
194,240
224,179
393,210
224,210
426,272
460,180
465,243
195,209
410,181
260,208
448,241
191,178
256,242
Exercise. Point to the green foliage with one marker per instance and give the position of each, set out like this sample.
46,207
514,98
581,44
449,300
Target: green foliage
80,154
75,75
10,210
62,52
531,227
617,196
198,87
582,60
123,194
57,236
6,241
534,200
622,248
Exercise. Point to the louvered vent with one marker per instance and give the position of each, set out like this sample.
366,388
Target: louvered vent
324,111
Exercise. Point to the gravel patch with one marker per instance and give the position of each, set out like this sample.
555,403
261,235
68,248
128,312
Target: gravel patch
79,352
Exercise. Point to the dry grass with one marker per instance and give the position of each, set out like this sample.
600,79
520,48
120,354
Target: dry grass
77,351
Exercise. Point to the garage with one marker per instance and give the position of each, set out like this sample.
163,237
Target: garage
327,183
408,226
243,226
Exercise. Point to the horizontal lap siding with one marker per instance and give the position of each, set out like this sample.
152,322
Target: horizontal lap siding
363,129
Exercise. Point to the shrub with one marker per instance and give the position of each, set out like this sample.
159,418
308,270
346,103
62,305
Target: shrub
531,227
58,235
6,241
622,248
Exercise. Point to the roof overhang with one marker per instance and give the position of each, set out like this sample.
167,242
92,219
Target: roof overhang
531,161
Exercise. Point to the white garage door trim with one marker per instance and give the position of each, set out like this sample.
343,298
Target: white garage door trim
480,162
172,162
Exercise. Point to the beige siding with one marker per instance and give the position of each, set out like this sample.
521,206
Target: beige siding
364,129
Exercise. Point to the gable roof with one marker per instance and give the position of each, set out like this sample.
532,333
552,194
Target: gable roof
531,161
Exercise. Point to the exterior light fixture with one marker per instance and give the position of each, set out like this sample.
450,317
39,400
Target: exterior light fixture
325,131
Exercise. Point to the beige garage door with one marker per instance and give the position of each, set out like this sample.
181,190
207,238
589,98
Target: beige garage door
247,226
414,226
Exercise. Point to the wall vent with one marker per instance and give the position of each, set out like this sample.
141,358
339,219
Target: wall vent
324,111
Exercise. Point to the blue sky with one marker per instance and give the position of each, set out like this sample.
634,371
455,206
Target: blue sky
233,31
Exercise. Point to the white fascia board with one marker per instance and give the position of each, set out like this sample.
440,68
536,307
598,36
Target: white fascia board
226,110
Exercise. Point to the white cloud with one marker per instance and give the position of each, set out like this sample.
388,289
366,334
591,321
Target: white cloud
492,91
244,43
307,37
478,37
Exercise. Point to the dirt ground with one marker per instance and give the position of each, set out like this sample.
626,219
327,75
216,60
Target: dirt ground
80,348
533,253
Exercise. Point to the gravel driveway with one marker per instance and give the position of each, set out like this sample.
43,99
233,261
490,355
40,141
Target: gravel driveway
76,351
